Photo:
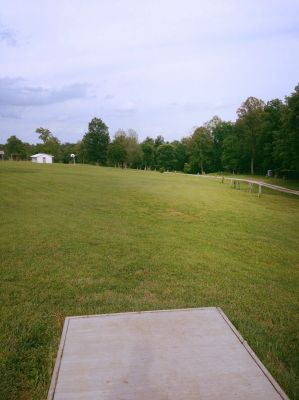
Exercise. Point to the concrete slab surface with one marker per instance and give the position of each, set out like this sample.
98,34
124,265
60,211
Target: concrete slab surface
158,355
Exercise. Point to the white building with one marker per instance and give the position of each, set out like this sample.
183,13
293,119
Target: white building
42,158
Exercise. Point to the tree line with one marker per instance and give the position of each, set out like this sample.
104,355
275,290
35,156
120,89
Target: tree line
265,136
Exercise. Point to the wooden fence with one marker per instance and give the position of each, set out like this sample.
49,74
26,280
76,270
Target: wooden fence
235,183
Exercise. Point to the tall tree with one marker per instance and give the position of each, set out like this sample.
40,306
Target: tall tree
218,131
125,150
159,140
96,142
148,150
286,143
250,124
133,149
201,146
15,148
230,157
271,129
50,145
117,153
81,151
166,157
180,155
44,134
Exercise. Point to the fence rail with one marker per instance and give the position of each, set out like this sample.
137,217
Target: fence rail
235,182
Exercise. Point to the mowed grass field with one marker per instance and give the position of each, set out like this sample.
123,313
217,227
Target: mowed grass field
87,240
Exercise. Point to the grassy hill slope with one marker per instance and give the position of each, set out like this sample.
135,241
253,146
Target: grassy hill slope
88,240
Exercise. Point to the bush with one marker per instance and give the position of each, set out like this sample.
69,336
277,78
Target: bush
162,169
187,168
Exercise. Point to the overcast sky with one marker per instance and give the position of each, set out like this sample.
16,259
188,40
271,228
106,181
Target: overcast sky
157,66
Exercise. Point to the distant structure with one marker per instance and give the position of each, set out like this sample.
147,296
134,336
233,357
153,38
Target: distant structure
42,158
1,155
73,157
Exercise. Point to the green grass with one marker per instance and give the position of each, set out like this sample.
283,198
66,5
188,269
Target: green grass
88,240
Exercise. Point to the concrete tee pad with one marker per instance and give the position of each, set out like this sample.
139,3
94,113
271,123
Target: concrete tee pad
158,355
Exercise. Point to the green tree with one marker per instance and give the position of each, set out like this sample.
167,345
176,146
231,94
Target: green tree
96,142
51,144
286,140
14,147
133,149
125,150
159,141
44,134
230,157
148,150
67,149
218,131
187,168
250,125
201,146
166,157
271,128
80,152
117,153
180,155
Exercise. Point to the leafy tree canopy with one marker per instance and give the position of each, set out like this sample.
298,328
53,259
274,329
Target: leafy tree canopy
96,141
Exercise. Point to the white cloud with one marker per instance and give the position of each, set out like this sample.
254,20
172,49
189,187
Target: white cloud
161,66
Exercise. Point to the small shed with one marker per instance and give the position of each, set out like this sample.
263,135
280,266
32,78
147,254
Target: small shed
1,154
42,158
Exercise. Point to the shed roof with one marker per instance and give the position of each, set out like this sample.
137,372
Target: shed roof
41,154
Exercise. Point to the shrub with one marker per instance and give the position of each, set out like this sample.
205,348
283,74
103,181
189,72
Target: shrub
187,168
